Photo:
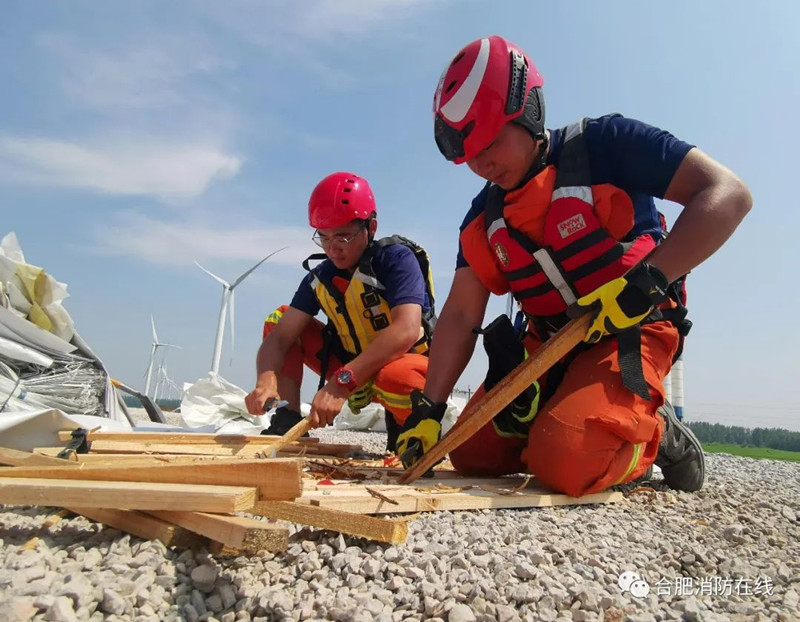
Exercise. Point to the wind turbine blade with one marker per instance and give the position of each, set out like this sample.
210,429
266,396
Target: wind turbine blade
222,282
246,274
153,325
170,345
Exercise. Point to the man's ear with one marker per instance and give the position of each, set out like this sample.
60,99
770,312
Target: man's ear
372,227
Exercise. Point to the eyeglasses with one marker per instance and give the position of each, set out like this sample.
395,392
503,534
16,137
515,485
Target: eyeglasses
340,239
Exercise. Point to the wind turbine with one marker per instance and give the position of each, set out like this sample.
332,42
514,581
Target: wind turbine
164,384
227,298
156,345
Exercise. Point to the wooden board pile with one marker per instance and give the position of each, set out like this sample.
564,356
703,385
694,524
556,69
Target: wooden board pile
214,490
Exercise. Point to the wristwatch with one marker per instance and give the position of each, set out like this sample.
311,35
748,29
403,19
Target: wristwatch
345,378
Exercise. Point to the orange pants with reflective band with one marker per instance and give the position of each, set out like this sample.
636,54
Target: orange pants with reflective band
391,387
592,433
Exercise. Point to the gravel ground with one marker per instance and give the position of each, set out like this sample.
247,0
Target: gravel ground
729,552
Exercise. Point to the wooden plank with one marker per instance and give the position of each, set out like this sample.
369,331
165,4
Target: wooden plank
474,417
143,525
14,457
407,499
143,459
382,530
125,495
190,438
238,532
208,449
278,479
126,520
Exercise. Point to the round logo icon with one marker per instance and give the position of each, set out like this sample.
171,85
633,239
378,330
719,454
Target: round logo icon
627,578
631,581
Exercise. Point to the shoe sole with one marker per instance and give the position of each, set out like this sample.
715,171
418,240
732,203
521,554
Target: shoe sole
667,411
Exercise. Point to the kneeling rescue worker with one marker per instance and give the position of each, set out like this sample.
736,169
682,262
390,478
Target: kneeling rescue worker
567,223
378,299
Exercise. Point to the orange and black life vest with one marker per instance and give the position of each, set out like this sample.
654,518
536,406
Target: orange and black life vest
577,255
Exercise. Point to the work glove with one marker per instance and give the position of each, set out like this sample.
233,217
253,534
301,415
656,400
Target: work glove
515,419
361,398
624,302
505,351
421,430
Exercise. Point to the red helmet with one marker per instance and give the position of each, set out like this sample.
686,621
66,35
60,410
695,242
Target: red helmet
338,199
490,82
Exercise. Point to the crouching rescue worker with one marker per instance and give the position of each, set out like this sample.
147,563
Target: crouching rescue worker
378,299
567,222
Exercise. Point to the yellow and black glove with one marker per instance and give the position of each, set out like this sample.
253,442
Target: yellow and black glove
360,398
515,420
421,430
624,302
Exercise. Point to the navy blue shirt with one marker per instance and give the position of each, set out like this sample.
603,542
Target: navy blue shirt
633,156
395,267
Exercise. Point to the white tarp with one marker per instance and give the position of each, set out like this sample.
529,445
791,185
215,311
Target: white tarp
34,295
44,363
214,403
39,428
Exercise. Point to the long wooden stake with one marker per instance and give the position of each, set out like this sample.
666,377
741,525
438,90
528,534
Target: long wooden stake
15,457
502,394
278,479
126,495
380,529
189,438
143,525
238,532
299,428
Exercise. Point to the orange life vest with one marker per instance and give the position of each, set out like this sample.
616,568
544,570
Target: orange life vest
555,239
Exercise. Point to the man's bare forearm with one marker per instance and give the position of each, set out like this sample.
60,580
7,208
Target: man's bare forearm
453,345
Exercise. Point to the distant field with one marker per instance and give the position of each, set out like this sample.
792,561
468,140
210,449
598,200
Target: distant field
752,452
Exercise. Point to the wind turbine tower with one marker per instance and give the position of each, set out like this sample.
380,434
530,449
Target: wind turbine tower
156,345
228,299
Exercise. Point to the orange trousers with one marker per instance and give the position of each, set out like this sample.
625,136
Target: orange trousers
391,387
592,433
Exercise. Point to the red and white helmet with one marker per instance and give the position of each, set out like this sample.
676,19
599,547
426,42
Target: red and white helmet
338,199
488,83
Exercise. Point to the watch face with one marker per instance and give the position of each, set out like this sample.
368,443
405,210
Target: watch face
345,377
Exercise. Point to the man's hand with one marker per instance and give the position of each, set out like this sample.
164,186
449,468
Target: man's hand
624,302
421,430
266,389
327,403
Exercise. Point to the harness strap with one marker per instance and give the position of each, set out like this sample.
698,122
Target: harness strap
629,355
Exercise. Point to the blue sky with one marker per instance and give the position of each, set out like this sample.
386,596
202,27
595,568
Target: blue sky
136,138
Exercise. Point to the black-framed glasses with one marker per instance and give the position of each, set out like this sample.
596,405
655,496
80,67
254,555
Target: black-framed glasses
340,239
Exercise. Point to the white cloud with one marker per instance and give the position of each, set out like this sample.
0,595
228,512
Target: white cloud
127,167
322,17
290,24
181,243
142,75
